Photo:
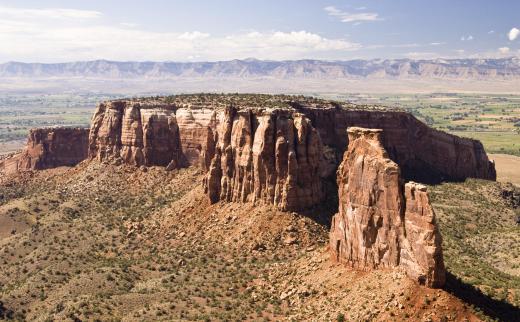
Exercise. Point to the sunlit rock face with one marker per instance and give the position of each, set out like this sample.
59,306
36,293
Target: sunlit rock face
151,134
270,156
135,134
382,222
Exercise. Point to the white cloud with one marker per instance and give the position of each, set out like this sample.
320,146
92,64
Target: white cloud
513,34
415,45
50,13
406,45
128,24
352,17
193,35
491,32
421,55
466,38
504,50
51,40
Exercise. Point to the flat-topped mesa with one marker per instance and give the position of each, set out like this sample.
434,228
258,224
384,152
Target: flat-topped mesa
423,153
188,130
48,148
382,222
149,134
265,155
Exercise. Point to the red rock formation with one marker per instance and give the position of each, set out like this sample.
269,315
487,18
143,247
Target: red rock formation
151,134
252,154
135,133
422,153
49,148
54,147
422,254
195,130
381,222
270,156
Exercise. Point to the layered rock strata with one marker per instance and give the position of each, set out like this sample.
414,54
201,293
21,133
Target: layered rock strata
382,222
137,132
270,156
423,153
151,134
49,148
154,132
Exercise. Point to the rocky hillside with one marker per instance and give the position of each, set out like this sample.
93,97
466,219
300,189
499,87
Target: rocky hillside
218,206
108,242
470,69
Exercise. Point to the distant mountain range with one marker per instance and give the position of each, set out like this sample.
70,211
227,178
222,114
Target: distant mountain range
474,69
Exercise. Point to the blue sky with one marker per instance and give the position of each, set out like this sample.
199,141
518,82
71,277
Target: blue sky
198,30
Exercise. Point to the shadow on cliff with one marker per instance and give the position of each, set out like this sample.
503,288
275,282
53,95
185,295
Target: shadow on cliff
323,213
493,308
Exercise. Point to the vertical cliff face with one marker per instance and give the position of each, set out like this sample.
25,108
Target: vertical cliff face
159,134
135,134
422,153
196,135
421,254
381,222
49,148
151,134
279,156
267,156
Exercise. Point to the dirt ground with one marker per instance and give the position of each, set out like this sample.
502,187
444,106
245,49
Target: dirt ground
508,167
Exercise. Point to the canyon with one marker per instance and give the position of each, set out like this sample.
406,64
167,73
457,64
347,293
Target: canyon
282,151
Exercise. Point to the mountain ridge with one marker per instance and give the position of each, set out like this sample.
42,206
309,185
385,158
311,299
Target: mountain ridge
473,69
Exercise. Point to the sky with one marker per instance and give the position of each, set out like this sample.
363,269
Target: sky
211,30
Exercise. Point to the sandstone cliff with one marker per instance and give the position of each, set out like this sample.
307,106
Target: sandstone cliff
423,153
260,149
381,222
150,134
49,148
266,155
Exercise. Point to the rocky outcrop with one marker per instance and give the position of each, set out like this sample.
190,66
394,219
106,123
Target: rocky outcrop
156,134
271,153
382,222
49,148
196,135
270,156
135,134
423,154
